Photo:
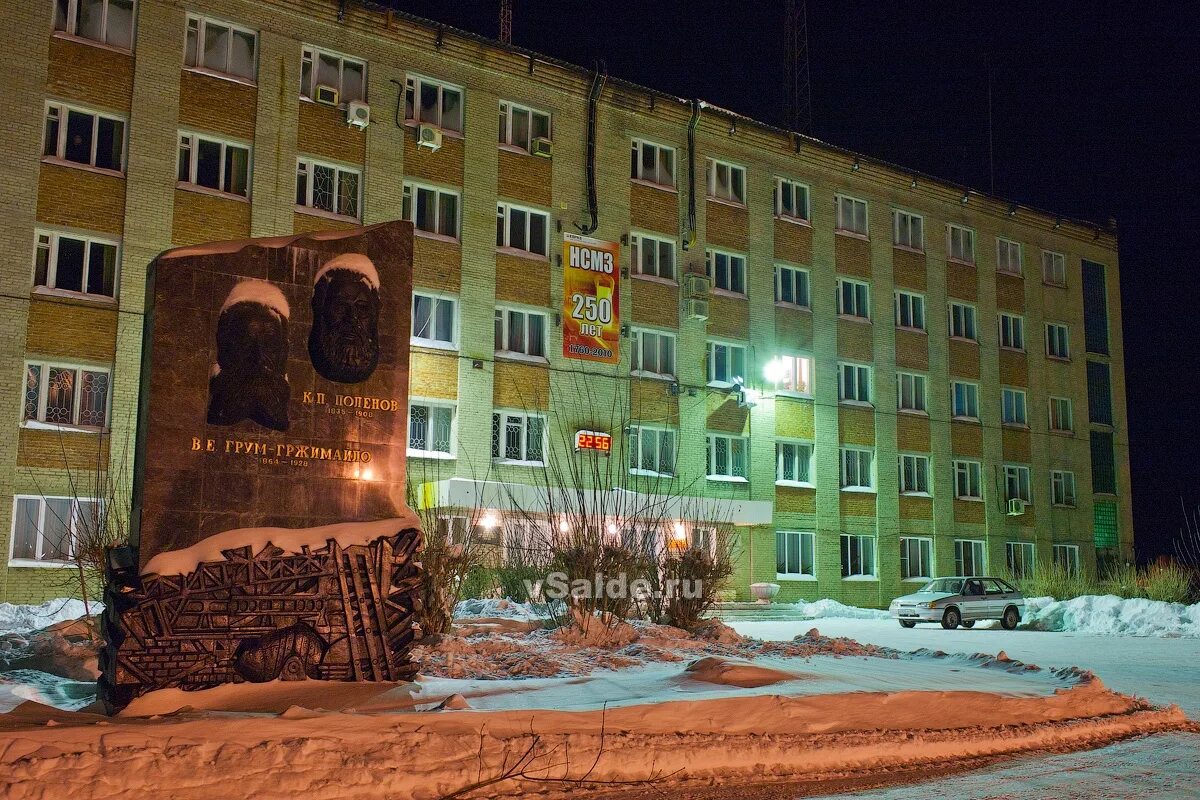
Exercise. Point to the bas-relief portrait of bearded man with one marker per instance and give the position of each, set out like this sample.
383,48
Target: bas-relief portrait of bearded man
249,380
344,342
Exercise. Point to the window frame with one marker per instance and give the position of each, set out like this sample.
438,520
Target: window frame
917,380
788,186
844,466
193,147
414,83
310,165
1053,331
202,21
978,552
1053,263
1020,420
843,397
509,109
793,365
1068,497
966,240
972,472
712,269
913,301
40,527
1003,263
636,334
498,446
437,297
796,273
312,53
634,447
711,168
504,211
53,237
39,422
410,201
636,155
730,476
711,359
501,315
1055,406
925,550
781,460
801,537
71,23
1012,328
1022,474
638,241
432,403
856,541
59,157
917,460
902,219
963,316
840,202
970,395
1028,558
865,300
1073,565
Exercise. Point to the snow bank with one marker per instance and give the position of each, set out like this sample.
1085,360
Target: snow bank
821,609
491,608
1109,615
20,618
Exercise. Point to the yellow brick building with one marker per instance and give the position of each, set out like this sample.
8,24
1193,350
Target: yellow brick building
896,377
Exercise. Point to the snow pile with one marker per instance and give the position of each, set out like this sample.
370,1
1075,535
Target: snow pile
1109,615
821,609
18,618
491,608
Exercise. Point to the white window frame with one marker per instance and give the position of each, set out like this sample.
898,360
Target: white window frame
1012,332
48,239
805,543
1061,410
732,347
312,55
429,404
907,227
850,459
795,459
508,110
1019,404
1004,256
854,541
799,373
193,154
713,167
968,478
44,367
309,167
798,276
910,305
861,295
977,550
1026,553
71,24
637,368
924,557
412,102
504,212
845,367
786,187
1066,556
1020,474
921,482
39,547
1062,488
733,444
634,445
960,244
1054,268
638,242
970,397
60,112
501,315
732,274
412,190
964,323
847,213
197,24
498,447
1058,337
437,299
663,177
912,393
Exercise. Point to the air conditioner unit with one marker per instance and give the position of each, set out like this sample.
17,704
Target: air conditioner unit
696,284
429,136
1016,507
358,114
696,308
541,146
324,93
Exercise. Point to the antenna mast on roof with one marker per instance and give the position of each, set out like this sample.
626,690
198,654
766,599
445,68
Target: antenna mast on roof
506,21
798,102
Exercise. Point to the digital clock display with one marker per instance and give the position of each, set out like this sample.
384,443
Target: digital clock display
593,440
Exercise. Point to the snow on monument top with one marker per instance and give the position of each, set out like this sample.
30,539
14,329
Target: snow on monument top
261,292
351,262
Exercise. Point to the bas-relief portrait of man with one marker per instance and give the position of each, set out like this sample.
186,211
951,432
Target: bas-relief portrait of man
249,380
344,341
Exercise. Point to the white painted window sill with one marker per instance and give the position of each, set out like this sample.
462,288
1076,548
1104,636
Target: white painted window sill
795,578
38,425
970,499
433,344
506,355
516,149
319,212
98,299
725,202
655,376
908,249
916,494
512,462
663,187
795,484
70,37
196,188
450,132
849,234
907,329
855,404
965,339
649,473
801,221
62,162
33,564
225,76
727,479
728,293
794,395
432,455
859,489
861,579
913,412
915,580
793,306
435,237
971,420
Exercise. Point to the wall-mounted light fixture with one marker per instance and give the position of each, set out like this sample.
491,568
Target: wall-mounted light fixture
966,196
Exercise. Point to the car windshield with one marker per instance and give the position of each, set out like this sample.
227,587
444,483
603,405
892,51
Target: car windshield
950,585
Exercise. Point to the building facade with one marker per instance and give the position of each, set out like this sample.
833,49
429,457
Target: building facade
893,377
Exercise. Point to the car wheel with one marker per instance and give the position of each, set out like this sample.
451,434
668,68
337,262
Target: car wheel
951,619
907,623
1010,618
968,623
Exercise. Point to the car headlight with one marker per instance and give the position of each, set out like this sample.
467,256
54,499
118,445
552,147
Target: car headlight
930,604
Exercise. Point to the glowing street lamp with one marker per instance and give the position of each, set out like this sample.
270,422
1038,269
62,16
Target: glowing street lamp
775,370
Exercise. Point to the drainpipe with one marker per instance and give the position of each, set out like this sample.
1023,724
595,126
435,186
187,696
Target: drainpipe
689,234
599,77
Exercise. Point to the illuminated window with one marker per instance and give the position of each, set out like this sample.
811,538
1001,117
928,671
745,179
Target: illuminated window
327,187
62,395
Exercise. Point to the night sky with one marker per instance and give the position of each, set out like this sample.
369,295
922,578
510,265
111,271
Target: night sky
1095,116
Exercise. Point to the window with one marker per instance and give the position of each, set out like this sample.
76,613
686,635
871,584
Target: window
960,244
851,215
1058,341
520,332
220,47
914,474
965,400
519,437
854,383
853,299
653,353
726,181
1021,557
1012,332
969,557
910,394
57,394
968,480
916,558
1099,387
71,263
962,321
1008,256
435,210
1061,418
434,103
858,556
107,21
651,451
1012,407
433,320
726,362
908,230
795,375
791,199
793,463
1095,308
910,311
46,529
727,271
1104,467
522,229
791,286
653,256
1054,268
526,542
84,137
326,187
345,75
519,126
727,456
1066,558
430,429
1016,483
1062,488
857,468
214,164
654,163
795,554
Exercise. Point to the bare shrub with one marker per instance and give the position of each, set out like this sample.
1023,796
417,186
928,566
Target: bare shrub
691,579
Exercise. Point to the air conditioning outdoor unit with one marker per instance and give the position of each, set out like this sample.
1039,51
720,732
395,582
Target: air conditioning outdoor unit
324,93
696,284
541,146
1016,507
696,308
358,114
429,136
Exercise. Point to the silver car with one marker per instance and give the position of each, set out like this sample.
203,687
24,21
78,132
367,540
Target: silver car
961,601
